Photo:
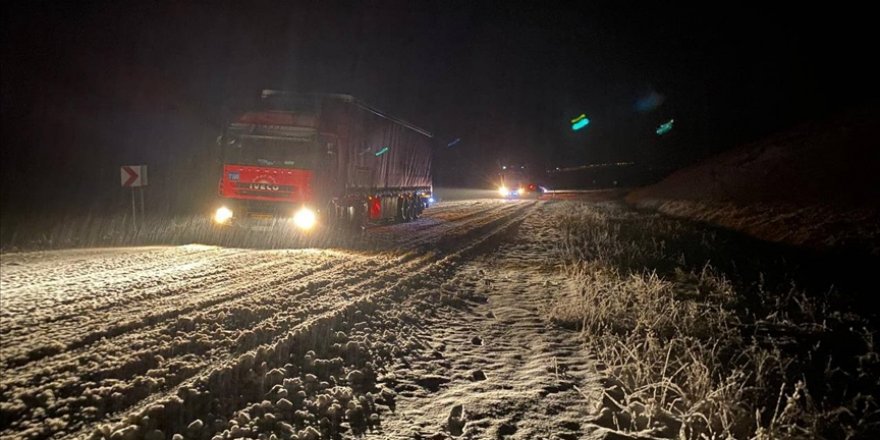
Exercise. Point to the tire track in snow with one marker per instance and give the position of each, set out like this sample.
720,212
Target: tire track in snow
110,324
471,222
85,333
244,290
393,268
435,217
309,331
436,231
515,374
71,271
107,294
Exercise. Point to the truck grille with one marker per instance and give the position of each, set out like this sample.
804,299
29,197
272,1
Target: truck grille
264,189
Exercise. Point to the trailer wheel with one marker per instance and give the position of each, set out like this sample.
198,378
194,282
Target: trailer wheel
345,216
404,209
401,209
360,214
351,216
414,209
413,212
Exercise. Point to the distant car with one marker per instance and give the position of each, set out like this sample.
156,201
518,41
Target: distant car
514,184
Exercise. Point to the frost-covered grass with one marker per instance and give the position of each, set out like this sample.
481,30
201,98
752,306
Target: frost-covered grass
691,350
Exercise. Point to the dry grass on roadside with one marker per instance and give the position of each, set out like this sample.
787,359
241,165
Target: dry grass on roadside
687,356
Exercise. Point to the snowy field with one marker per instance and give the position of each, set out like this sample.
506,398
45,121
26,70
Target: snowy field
483,319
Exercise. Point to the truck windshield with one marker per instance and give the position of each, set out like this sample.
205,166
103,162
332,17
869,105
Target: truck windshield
273,152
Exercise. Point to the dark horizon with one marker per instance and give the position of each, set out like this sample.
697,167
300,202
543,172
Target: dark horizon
87,88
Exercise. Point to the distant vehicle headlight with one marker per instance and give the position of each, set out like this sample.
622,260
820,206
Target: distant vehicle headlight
521,191
222,215
503,191
305,219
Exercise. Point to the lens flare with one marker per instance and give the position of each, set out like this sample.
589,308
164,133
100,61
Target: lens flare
305,219
222,215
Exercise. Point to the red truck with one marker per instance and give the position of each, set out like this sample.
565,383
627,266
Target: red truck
321,160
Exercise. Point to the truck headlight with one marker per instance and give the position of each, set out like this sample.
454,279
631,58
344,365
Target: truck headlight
503,191
521,191
222,215
304,219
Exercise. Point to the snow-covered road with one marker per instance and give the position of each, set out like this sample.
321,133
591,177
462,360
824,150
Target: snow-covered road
144,342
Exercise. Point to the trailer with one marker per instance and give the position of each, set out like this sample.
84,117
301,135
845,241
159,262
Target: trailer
321,160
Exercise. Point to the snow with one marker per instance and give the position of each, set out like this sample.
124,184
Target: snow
161,341
445,327
506,371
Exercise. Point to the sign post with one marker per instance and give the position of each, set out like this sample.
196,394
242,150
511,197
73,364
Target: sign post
134,176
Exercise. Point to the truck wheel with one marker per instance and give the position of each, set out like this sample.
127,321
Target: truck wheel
413,209
350,216
410,210
404,210
360,213
347,216
401,209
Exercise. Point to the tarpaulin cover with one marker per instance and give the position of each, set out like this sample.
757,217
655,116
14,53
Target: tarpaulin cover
374,151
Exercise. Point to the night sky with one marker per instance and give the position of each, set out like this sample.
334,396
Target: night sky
89,86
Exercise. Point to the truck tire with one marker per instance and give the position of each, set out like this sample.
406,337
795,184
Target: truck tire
413,208
404,209
357,219
401,210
